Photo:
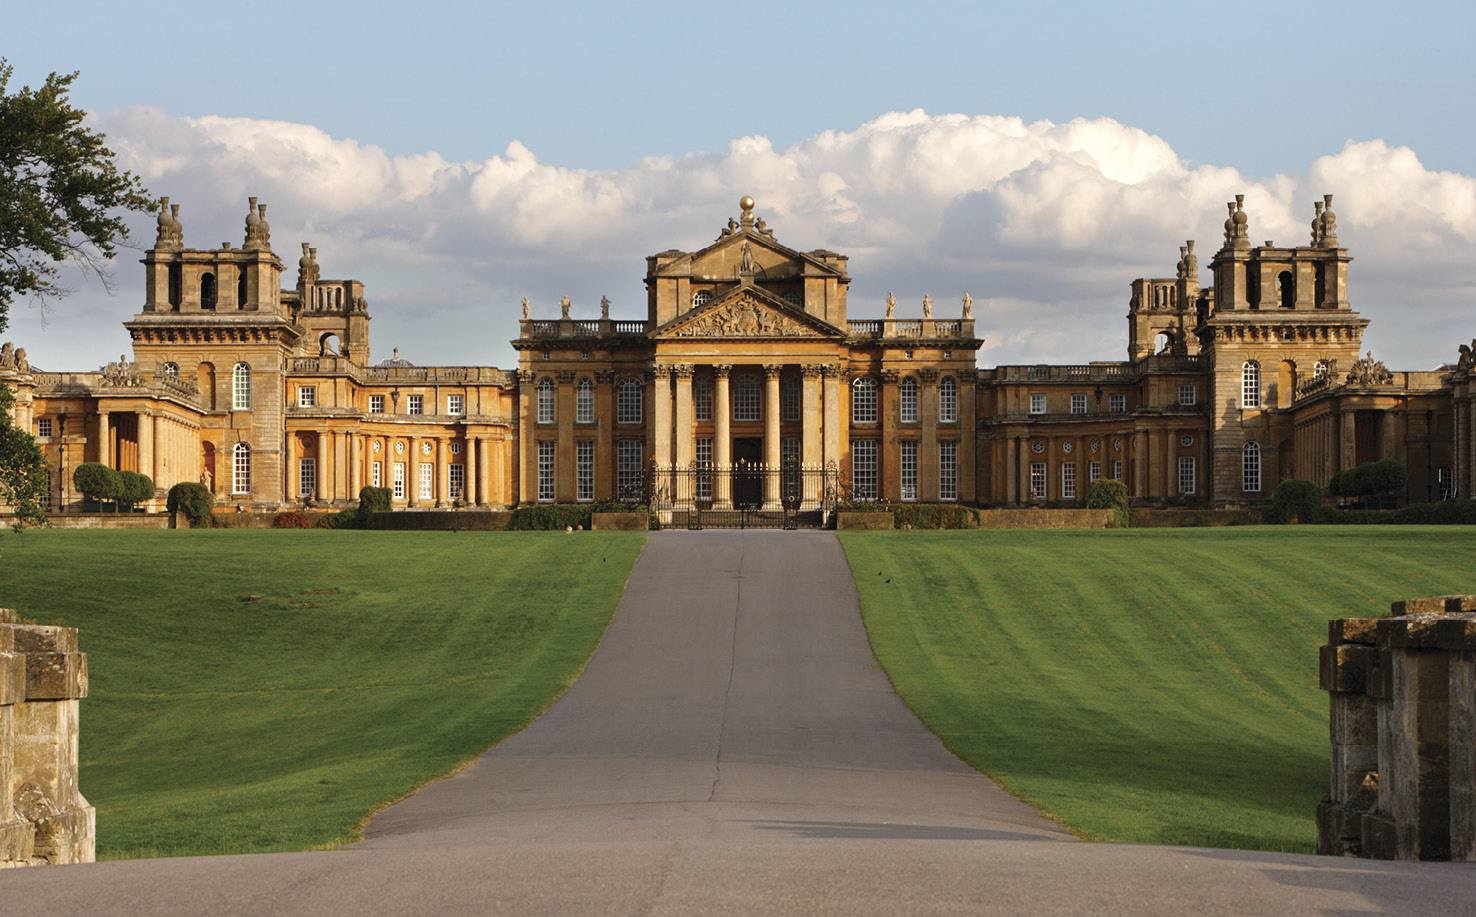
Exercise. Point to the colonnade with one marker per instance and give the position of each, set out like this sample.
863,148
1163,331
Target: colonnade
344,463
1145,459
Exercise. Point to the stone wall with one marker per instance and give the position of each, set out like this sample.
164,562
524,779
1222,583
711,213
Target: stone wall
43,817
1402,704
1045,518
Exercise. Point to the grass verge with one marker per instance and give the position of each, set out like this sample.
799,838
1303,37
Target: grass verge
267,690
1143,686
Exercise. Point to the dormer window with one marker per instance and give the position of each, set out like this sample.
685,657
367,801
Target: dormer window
701,298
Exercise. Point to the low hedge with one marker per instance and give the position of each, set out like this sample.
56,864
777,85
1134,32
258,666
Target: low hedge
555,517
935,516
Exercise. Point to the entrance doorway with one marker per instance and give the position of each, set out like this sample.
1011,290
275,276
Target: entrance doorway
747,482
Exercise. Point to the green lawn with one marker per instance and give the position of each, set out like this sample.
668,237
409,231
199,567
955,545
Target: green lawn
268,690
1148,686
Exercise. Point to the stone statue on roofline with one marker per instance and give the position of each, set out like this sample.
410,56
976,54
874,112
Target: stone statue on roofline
968,305
891,304
564,305
927,306
526,307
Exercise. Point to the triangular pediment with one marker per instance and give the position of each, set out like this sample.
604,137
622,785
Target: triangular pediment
747,312
747,251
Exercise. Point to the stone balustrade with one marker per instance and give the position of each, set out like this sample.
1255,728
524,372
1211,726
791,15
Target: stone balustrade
1402,704
43,817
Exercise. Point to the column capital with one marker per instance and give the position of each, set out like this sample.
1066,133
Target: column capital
722,370
810,370
605,376
929,376
830,370
772,370
890,376
682,370
564,376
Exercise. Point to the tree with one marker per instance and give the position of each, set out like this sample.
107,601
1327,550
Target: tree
1106,493
135,488
193,499
61,196
23,478
1295,498
97,481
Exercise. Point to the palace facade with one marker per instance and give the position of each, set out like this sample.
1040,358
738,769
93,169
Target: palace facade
747,359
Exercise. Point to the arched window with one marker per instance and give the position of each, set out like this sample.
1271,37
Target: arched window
908,392
207,292
1319,369
628,401
745,397
1250,384
702,397
241,388
241,469
545,400
1250,467
701,298
1287,290
948,400
863,400
584,401
171,370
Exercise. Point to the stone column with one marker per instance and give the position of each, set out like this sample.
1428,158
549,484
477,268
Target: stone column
1012,474
104,441
290,479
831,395
324,469
356,465
810,446
661,416
722,446
1348,448
479,449
443,471
340,467
1140,464
412,472
527,446
1026,495
146,446
470,473
968,440
771,433
684,414
564,486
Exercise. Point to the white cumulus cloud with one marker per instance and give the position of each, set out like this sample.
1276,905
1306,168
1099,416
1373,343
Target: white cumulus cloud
1044,224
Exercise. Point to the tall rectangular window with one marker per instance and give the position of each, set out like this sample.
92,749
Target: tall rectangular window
1078,403
1117,471
584,471
948,470
789,399
745,398
1188,395
703,462
584,401
427,481
629,473
546,470
907,395
241,387
1117,404
1037,481
43,426
456,479
456,405
377,475
399,480
702,397
376,404
908,468
1094,472
789,450
863,400
1186,474
307,477
307,396
1250,467
863,469
1037,404
628,395
948,400
415,404
1068,480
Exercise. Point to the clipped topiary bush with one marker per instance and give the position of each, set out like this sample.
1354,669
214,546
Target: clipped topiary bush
194,500
376,499
1107,493
97,481
1294,499
135,488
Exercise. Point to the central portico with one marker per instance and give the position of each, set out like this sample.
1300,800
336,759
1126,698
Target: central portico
746,362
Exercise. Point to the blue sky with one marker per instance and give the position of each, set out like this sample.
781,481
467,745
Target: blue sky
605,99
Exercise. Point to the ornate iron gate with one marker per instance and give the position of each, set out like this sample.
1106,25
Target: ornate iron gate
745,495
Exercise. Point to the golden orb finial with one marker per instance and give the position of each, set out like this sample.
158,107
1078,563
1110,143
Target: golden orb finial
746,203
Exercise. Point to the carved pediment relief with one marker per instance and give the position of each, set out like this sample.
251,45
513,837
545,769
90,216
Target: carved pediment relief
745,317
